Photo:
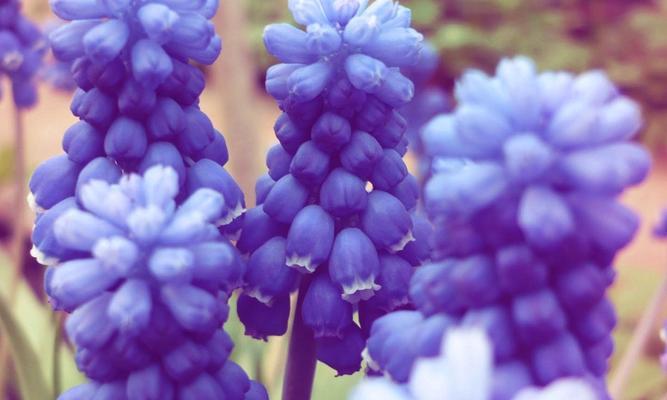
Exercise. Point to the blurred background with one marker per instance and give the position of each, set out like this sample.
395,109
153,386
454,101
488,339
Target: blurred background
626,38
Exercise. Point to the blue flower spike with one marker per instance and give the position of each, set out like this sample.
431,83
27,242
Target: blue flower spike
526,175
135,219
22,48
137,100
337,189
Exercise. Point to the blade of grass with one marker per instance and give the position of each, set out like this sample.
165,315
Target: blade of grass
28,369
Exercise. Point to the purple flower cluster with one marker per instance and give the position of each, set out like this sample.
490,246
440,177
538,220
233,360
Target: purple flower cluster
334,208
527,171
21,51
135,219
146,283
137,101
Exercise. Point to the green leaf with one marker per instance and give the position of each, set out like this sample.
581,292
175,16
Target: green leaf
36,320
31,378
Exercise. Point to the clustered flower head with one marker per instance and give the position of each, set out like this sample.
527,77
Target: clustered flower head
146,284
135,218
463,370
137,101
21,51
527,171
334,208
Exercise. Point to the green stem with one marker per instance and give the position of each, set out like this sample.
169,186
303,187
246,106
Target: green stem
56,378
301,358
641,335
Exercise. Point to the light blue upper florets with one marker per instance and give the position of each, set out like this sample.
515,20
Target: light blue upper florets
552,148
147,34
343,38
146,284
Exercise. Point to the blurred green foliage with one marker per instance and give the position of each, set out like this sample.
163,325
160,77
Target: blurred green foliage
6,164
34,338
627,38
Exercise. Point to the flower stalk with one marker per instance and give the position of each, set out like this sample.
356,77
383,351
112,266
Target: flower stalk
644,331
301,358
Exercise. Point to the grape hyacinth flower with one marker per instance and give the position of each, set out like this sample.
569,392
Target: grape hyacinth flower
144,265
463,369
21,51
527,171
334,210
137,101
147,290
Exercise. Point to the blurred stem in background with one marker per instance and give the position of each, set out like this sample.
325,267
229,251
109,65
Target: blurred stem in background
17,238
642,334
234,83
56,377
301,358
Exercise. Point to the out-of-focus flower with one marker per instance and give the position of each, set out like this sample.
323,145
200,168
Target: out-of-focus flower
463,370
337,199
526,175
660,229
148,35
21,50
55,72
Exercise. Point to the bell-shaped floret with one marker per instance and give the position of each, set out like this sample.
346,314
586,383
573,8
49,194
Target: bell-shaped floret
310,239
354,265
324,311
386,222
267,276
261,320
